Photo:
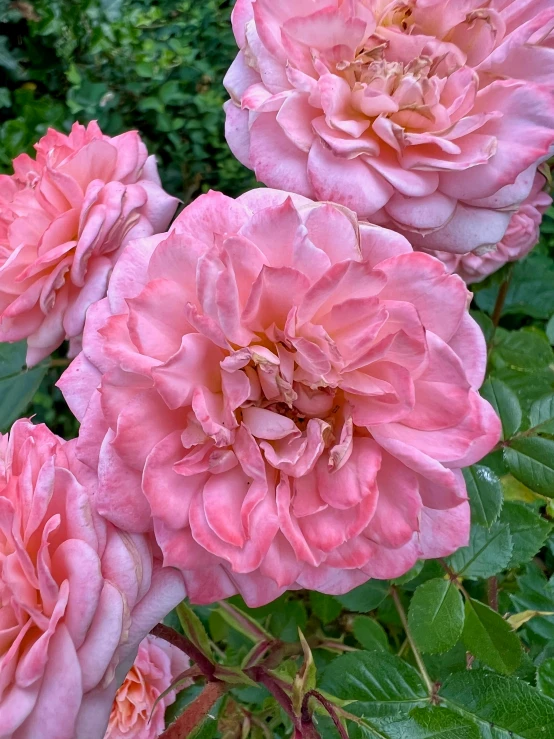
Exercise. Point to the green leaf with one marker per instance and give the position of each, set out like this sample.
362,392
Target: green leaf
506,405
411,575
489,552
17,383
531,461
516,491
366,597
431,722
5,98
526,349
7,60
286,620
326,607
441,722
535,594
545,677
370,633
529,531
541,415
529,386
485,494
243,623
436,616
378,681
233,676
489,638
531,290
206,730
511,706
550,330
193,629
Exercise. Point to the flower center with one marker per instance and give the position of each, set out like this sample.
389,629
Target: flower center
397,14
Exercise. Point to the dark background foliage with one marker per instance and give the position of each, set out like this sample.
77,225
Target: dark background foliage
154,66
158,67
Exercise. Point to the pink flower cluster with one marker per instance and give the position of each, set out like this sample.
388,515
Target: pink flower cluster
519,239
64,219
135,713
76,595
427,116
285,394
276,393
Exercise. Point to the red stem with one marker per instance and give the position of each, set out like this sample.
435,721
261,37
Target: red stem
258,674
195,713
493,593
329,707
186,646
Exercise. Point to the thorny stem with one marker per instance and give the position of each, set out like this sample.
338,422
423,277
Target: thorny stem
260,675
215,688
196,712
421,665
500,300
281,651
533,431
502,295
186,646
454,578
493,592
334,646
256,654
329,707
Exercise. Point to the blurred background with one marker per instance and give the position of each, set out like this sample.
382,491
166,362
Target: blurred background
130,64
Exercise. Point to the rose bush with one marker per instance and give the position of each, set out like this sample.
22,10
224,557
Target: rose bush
135,713
425,116
517,242
286,393
77,596
64,219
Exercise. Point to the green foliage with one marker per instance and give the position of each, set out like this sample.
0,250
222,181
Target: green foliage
436,616
18,384
129,64
489,552
485,494
366,597
370,634
489,638
504,708
506,405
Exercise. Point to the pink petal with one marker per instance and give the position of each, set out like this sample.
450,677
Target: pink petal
351,182
276,160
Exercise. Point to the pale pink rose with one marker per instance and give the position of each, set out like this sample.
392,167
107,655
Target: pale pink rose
426,116
64,219
154,670
285,394
519,239
77,596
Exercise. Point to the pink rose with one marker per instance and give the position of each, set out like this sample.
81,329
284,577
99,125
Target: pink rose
285,394
427,116
77,595
519,239
64,220
156,667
